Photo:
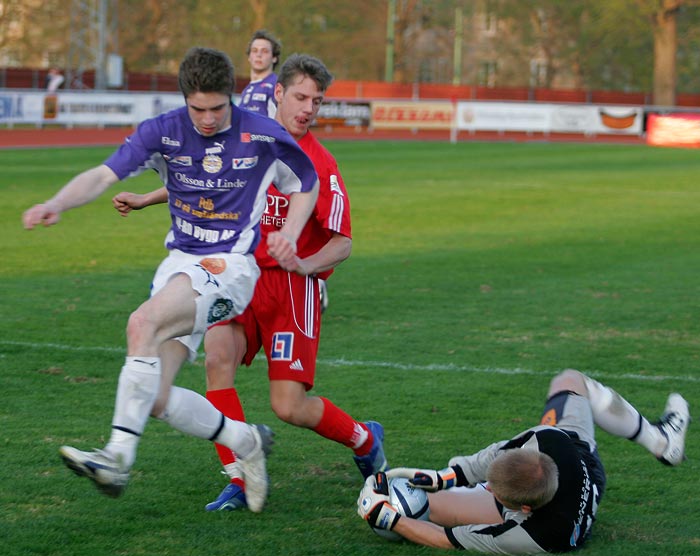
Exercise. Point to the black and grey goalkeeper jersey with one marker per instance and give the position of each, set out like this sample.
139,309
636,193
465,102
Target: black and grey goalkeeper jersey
560,526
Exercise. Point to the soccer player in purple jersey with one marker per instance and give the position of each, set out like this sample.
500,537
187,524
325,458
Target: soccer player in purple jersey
537,492
263,52
216,162
284,316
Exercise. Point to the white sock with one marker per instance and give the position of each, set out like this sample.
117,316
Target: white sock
137,390
193,414
360,436
615,415
233,470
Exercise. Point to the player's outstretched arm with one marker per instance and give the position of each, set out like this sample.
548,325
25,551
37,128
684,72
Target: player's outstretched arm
82,189
422,532
125,201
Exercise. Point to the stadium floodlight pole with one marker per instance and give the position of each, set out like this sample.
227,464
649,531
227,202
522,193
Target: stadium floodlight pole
389,63
457,56
100,77
92,28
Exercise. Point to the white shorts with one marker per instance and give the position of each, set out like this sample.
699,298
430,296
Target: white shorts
224,281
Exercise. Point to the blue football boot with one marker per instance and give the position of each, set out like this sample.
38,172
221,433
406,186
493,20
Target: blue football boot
231,498
375,461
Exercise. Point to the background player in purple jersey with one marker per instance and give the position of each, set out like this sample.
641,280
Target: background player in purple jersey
537,492
216,162
263,52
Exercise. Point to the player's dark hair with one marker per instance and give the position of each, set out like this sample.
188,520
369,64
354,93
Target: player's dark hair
274,42
303,64
522,477
205,70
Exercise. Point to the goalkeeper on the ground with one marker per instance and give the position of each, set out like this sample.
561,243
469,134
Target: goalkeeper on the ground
539,491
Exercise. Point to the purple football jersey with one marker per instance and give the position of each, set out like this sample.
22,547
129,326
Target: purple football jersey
259,96
216,185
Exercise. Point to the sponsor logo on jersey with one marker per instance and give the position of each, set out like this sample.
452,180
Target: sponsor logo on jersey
250,137
261,97
244,163
179,160
169,141
335,186
276,205
218,148
228,184
184,178
282,346
212,163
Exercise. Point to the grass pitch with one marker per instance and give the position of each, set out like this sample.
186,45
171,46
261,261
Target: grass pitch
478,271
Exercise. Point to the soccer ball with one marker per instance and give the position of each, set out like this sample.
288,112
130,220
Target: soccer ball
409,501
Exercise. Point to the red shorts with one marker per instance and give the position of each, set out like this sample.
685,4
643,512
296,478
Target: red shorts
284,318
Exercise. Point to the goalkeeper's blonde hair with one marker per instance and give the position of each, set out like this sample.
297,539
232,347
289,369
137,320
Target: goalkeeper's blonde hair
523,477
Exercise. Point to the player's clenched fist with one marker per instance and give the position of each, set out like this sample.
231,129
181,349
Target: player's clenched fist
283,249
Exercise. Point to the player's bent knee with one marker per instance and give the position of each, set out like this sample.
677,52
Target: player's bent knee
284,413
569,380
220,368
216,360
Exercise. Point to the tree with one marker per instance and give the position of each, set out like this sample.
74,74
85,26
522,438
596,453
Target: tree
259,8
542,43
638,45
660,20
609,44
10,12
34,30
664,22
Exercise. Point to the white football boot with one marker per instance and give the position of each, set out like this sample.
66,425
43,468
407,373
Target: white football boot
100,467
673,424
254,468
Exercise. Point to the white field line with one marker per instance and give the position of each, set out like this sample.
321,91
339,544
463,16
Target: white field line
395,366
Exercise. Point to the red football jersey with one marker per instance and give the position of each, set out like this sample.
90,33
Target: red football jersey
331,214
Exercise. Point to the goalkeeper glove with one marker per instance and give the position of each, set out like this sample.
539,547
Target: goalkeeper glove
373,504
426,479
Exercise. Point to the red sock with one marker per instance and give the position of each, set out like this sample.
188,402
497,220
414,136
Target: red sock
227,401
338,426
